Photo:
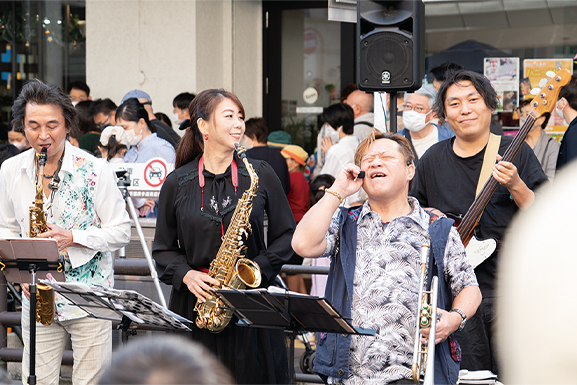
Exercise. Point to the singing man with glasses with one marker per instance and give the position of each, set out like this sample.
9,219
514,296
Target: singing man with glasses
418,120
374,276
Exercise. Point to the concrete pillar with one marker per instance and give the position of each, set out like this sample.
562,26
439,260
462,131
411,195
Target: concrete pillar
166,47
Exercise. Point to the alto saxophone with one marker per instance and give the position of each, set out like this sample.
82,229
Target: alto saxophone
44,293
229,267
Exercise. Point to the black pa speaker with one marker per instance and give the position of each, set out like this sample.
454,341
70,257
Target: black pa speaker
390,45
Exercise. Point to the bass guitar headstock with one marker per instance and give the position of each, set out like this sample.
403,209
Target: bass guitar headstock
546,98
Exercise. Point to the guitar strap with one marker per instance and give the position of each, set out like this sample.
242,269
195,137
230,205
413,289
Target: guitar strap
489,160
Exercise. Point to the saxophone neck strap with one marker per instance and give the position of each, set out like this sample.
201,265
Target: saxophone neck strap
233,169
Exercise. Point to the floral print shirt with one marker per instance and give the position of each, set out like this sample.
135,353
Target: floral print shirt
88,202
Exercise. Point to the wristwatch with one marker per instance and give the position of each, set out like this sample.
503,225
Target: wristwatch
463,316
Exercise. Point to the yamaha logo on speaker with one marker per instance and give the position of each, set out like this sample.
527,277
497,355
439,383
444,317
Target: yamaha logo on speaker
385,77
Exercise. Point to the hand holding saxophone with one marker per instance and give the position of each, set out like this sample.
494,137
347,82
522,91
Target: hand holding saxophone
62,236
448,323
199,284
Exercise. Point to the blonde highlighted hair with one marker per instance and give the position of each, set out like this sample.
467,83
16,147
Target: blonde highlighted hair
402,142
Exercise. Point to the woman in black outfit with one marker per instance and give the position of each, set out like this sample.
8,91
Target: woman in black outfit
193,218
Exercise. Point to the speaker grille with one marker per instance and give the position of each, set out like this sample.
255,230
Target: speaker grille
386,61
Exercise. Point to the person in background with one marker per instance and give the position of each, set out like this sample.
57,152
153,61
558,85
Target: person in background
566,108
162,130
163,118
78,91
113,145
180,107
196,207
545,147
318,187
90,137
439,73
17,143
362,105
298,198
18,140
103,112
418,117
165,360
278,139
255,141
339,121
347,91
85,214
144,144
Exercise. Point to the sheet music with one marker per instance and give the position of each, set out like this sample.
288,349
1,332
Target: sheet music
106,302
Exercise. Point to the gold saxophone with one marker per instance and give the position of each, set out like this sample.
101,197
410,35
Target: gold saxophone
229,267
44,293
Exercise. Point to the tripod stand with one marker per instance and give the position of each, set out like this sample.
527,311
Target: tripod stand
123,183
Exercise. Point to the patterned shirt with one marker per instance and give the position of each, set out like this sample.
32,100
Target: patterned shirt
88,202
385,290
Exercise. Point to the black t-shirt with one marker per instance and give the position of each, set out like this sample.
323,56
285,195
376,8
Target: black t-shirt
276,160
448,182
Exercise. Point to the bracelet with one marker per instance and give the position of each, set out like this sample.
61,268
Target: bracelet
334,193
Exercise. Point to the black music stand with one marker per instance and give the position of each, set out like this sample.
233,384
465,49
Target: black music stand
293,312
126,306
41,257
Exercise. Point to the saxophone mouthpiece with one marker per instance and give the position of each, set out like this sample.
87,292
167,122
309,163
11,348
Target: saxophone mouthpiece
240,150
42,156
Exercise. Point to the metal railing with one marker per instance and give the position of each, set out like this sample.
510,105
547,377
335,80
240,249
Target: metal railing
130,266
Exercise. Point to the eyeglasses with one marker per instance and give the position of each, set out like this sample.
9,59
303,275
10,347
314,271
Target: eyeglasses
104,124
410,107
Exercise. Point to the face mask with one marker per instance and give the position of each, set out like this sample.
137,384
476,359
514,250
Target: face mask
332,133
20,145
175,119
246,143
414,121
74,104
131,138
559,111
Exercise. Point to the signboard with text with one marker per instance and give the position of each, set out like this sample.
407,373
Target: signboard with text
147,178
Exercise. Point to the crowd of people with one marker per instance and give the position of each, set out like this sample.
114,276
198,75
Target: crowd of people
364,201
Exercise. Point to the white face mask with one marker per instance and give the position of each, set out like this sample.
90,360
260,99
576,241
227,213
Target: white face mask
131,138
246,143
20,145
74,103
332,133
559,111
175,119
414,121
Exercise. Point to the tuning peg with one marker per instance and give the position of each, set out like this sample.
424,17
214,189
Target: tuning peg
550,74
543,82
535,91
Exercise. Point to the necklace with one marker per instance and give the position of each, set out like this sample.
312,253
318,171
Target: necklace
48,176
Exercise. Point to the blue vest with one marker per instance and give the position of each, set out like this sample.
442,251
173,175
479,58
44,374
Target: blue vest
332,355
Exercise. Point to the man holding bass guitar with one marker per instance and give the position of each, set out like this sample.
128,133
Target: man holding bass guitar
453,172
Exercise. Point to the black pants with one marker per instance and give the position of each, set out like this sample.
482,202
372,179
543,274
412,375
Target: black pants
477,341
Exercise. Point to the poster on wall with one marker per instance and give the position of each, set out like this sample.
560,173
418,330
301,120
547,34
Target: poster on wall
503,73
536,69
